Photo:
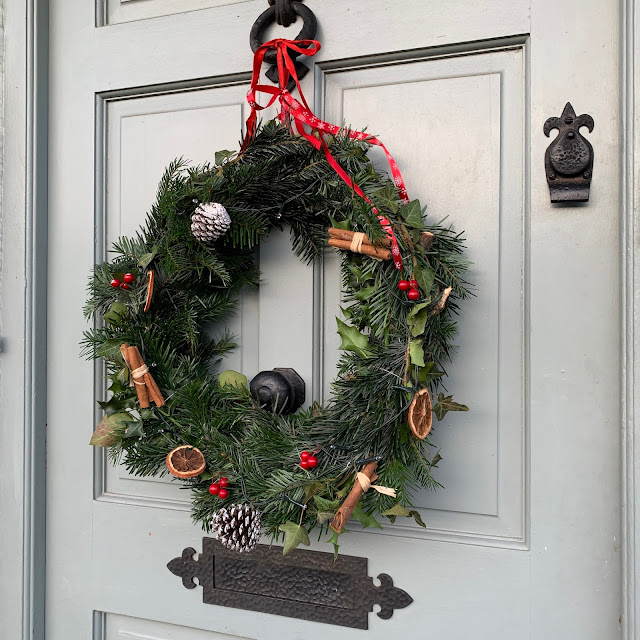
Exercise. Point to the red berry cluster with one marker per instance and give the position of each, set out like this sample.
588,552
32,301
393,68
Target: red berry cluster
127,279
411,287
307,460
219,488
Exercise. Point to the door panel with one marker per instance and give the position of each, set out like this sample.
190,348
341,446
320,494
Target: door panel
521,542
468,116
126,628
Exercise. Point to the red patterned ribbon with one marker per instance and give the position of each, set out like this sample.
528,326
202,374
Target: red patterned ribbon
300,114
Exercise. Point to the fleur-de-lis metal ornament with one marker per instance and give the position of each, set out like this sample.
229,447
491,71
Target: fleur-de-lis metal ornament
568,161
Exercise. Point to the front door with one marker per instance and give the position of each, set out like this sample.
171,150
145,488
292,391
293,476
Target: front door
523,540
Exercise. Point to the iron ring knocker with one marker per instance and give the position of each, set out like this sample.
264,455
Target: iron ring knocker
308,32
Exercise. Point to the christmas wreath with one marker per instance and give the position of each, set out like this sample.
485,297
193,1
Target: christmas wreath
160,303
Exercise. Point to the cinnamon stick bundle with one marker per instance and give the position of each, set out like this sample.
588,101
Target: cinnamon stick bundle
345,234
346,509
358,243
145,385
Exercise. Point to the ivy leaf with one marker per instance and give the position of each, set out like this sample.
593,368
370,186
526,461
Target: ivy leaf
387,197
418,323
425,277
334,541
411,213
311,488
396,511
365,519
428,373
221,156
345,224
325,516
110,429
352,339
116,313
446,404
326,505
294,535
146,258
232,378
416,353
415,311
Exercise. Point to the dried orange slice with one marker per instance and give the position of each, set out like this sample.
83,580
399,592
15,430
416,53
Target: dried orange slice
185,462
150,279
420,415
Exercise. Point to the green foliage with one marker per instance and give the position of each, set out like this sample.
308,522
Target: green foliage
294,535
390,347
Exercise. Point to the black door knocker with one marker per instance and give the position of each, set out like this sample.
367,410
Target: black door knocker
284,12
568,160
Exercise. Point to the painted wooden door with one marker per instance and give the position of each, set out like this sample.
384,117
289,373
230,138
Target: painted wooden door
523,540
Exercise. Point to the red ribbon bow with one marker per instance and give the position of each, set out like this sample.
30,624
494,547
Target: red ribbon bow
300,114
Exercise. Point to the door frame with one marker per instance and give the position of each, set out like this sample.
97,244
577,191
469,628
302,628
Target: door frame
630,330
23,248
23,310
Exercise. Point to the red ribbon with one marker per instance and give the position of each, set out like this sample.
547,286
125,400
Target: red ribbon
300,114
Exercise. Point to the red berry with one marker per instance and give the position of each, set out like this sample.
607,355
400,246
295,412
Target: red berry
128,278
312,462
304,464
413,284
214,489
224,482
115,283
124,286
304,455
413,295
403,285
222,494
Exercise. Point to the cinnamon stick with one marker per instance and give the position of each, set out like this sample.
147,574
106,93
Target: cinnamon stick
154,391
350,502
135,362
367,250
345,234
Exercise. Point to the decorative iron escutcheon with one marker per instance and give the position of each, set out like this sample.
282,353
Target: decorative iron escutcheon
568,160
308,585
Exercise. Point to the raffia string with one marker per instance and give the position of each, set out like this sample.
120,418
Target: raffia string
356,242
138,374
365,483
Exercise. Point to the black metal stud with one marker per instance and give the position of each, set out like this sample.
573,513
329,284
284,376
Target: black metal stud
281,390
568,161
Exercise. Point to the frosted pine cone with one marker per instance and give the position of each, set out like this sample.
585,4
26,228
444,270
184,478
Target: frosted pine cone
238,527
210,221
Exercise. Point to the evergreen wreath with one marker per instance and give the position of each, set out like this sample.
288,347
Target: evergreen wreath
393,348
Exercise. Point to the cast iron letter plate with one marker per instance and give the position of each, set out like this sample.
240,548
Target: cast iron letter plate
303,584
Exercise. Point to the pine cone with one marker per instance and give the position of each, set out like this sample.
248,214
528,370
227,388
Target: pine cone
210,221
238,527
